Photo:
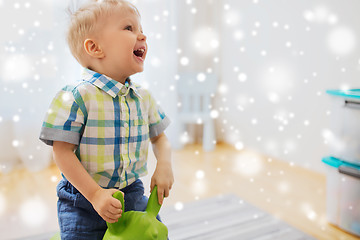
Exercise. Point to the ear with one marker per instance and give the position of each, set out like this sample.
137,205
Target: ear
93,49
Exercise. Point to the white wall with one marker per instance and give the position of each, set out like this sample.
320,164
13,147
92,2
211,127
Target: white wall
291,52
30,71
275,60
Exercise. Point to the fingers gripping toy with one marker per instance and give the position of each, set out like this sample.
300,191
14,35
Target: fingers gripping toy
135,225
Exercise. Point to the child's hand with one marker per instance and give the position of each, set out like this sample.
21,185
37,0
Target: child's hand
163,178
108,207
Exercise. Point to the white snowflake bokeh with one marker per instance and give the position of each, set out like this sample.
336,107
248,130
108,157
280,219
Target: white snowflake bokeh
273,69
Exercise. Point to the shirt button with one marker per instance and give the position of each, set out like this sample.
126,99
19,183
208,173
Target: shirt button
126,125
123,90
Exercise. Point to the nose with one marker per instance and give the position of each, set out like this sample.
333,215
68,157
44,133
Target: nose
141,37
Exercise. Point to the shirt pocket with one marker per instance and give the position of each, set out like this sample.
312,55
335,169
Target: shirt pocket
141,119
141,125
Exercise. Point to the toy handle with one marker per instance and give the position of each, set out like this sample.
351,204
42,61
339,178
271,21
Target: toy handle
114,227
153,206
119,196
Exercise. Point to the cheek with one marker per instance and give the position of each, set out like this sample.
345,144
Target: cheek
127,48
120,51
120,47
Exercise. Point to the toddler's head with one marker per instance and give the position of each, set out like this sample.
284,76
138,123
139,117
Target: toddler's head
106,36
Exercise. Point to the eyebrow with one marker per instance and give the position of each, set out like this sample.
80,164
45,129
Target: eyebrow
137,24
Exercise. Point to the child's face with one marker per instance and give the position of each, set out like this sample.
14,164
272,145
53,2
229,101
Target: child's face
123,43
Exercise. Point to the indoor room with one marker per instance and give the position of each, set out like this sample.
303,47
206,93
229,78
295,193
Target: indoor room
263,101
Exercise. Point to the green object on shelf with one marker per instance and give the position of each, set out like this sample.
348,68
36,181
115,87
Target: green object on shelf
135,225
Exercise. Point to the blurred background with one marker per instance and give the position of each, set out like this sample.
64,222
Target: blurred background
260,67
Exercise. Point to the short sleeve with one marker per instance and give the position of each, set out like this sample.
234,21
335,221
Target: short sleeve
158,121
65,118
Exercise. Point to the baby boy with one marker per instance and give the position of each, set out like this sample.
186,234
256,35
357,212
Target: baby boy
100,127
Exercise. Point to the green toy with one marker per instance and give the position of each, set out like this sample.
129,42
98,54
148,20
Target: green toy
135,225
56,237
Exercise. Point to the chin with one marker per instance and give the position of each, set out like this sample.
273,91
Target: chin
139,70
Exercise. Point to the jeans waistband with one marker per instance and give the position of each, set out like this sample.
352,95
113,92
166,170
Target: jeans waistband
67,192
71,189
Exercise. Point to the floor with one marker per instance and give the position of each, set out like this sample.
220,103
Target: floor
226,217
293,194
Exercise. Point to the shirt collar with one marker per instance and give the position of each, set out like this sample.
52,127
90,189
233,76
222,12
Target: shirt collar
107,84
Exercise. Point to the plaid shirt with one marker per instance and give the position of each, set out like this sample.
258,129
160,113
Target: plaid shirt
110,123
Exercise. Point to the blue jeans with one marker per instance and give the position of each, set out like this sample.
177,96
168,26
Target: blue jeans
78,220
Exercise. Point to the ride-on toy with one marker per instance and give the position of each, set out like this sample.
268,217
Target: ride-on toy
136,225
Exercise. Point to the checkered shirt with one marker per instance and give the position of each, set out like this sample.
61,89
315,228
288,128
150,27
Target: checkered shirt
110,123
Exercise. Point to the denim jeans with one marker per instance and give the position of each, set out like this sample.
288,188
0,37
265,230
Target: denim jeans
78,220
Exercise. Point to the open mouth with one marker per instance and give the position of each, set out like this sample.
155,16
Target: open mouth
139,53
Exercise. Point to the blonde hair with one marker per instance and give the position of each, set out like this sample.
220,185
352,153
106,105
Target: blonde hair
83,23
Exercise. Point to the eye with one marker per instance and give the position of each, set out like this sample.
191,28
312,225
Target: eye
129,28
